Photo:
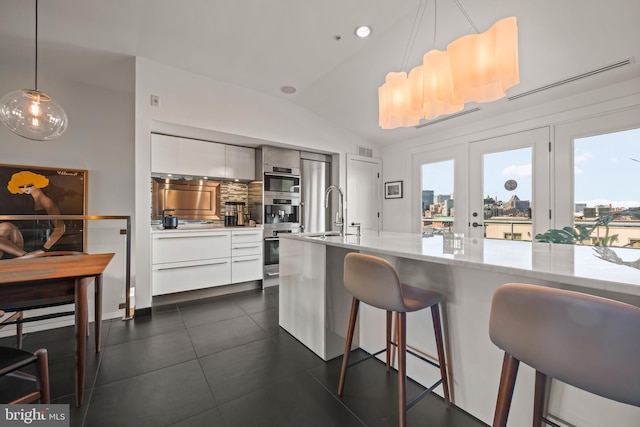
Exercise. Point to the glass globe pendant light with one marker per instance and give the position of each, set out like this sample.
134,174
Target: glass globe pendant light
33,114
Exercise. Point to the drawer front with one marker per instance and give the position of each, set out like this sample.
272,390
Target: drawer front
246,268
179,277
246,236
190,247
242,249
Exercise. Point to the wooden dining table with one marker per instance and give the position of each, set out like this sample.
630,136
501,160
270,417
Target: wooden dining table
27,284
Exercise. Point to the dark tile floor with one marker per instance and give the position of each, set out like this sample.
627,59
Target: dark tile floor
223,361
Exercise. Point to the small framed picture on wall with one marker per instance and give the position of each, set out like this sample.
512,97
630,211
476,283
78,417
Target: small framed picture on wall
393,190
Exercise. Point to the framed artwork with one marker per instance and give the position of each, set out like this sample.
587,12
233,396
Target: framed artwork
393,190
36,190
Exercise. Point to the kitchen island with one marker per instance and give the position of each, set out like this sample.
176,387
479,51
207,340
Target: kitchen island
314,307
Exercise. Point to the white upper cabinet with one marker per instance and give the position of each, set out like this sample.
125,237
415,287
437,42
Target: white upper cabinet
184,156
240,163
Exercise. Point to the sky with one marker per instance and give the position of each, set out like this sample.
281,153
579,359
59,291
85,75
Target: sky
607,171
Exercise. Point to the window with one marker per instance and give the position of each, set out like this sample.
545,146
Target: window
437,197
508,194
605,168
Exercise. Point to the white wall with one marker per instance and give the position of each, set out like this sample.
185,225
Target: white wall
223,113
99,139
403,214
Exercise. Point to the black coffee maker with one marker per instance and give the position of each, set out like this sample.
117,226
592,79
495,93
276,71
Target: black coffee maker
234,214
230,214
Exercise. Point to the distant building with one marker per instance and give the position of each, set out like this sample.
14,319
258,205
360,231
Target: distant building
427,199
447,207
579,207
441,198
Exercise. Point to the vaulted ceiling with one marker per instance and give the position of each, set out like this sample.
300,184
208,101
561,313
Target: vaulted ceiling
264,45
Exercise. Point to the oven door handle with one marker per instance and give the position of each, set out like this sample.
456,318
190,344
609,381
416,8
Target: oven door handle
288,175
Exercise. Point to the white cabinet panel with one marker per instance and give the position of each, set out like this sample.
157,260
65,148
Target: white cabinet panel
190,246
246,253
184,156
246,236
240,163
242,249
246,268
179,277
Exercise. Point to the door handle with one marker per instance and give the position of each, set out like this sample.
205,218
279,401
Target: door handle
475,225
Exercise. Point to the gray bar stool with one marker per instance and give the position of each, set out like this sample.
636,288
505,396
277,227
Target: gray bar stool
586,341
375,282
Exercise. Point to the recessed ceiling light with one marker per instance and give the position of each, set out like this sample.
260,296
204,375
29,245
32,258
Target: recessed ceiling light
288,89
363,31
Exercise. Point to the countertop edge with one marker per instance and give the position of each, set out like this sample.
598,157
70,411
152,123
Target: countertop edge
610,285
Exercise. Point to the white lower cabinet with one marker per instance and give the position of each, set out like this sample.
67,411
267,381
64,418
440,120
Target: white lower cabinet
246,255
184,261
186,276
246,268
188,260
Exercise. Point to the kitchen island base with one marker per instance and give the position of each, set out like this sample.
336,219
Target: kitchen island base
314,308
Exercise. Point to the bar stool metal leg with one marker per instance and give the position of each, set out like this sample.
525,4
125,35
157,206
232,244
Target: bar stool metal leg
389,323
402,367
437,329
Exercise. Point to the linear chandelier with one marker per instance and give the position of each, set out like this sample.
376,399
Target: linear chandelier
30,113
474,68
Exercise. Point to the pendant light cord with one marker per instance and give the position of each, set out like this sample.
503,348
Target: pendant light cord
435,20
36,73
414,32
417,21
466,15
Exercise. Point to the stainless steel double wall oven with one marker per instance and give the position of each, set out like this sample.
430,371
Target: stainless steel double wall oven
281,205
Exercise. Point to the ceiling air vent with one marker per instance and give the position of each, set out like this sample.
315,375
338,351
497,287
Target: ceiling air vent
574,78
365,151
449,117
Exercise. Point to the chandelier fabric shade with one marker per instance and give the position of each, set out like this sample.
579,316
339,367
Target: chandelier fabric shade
431,86
474,68
395,102
485,65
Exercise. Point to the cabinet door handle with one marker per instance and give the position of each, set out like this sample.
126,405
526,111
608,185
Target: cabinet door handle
246,260
273,274
246,234
189,266
246,247
190,237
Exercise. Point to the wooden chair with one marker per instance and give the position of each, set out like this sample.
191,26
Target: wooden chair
586,341
375,282
13,318
13,359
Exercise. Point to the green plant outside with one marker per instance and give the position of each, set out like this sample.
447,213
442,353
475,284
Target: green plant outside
580,233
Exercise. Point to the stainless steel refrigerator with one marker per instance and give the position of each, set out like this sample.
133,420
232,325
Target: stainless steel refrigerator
315,177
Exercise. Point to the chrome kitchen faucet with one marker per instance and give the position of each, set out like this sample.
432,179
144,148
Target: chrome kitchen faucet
339,222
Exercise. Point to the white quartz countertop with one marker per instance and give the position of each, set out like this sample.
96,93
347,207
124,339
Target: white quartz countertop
575,265
157,228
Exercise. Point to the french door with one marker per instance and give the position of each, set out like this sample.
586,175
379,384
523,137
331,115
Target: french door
509,186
